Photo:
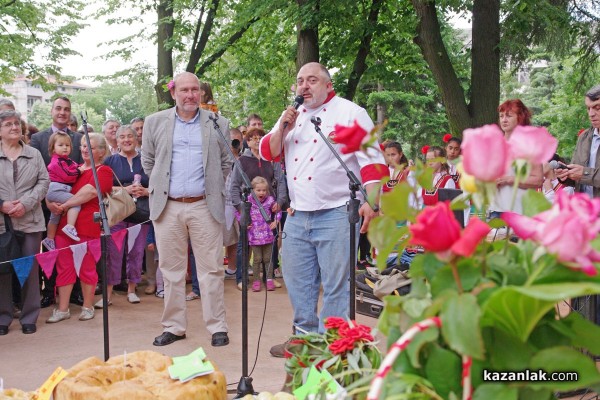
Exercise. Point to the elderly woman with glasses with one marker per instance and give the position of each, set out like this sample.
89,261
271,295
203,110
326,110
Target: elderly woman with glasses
84,195
23,185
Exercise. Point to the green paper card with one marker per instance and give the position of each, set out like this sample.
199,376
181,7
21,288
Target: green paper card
315,381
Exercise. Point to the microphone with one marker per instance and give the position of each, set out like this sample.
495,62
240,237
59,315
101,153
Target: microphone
316,121
556,165
296,104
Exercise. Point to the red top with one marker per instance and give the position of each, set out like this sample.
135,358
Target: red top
85,221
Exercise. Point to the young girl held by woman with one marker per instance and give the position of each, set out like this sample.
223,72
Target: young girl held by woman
63,173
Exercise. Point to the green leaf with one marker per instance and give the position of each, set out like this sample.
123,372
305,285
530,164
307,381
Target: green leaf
395,204
420,340
534,202
460,325
585,333
443,369
489,391
561,360
497,342
517,310
444,279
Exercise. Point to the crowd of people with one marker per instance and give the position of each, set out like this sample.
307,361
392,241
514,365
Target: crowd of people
190,169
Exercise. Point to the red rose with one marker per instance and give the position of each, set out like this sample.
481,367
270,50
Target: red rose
435,229
470,238
425,149
447,137
350,136
335,322
342,345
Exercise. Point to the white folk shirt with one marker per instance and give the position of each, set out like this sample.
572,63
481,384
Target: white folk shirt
316,180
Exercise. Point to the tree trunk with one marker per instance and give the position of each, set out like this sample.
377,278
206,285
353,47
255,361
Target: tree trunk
308,36
485,63
360,62
166,26
199,44
429,40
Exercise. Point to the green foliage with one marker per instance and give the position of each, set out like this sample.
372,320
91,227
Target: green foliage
35,37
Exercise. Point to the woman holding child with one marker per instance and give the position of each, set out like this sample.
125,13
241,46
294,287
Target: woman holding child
84,195
23,185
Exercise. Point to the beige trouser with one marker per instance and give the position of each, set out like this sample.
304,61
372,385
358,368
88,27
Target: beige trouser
177,222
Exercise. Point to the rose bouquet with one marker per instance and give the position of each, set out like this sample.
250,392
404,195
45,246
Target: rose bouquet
479,308
346,350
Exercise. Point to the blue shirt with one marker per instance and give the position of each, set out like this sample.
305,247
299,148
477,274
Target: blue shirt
187,169
126,171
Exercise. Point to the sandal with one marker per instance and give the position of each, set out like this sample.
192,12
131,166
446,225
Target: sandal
192,296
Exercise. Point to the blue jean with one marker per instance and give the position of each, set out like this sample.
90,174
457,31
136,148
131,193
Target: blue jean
316,251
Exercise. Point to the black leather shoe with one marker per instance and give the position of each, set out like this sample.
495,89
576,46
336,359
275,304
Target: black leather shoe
29,329
219,339
167,338
47,301
3,330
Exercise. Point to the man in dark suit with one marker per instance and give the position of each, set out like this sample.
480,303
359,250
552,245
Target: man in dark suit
61,116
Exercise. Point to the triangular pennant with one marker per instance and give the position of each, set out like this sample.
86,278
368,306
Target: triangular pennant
79,251
22,267
118,237
95,249
47,261
134,231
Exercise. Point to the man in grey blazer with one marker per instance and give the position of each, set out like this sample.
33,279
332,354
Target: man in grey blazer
187,163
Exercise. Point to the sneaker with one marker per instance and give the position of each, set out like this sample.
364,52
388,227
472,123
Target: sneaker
58,316
86,314
133,298
276,283
192,296
239,286
150,289
256,286
229,274
277,273
71,232
99,304
270,285
160,294
49,244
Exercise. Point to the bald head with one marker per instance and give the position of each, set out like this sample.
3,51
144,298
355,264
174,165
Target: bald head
186,93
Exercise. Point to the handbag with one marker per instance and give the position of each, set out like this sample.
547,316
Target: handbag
142,211
9,246
118,204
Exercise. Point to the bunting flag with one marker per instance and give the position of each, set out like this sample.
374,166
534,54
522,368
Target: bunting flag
47,261
134,232
22,267
79,251
95,249
118,237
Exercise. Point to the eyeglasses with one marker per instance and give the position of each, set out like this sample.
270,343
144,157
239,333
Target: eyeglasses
11,124
254,138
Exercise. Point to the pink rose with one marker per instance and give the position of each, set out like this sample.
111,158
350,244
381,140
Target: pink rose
566,230
350,136
485,152
532,143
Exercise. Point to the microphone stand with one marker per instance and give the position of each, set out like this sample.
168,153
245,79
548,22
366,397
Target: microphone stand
102,219
353,216
245,384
